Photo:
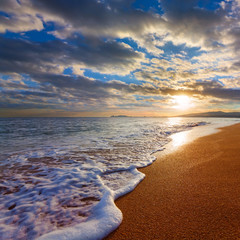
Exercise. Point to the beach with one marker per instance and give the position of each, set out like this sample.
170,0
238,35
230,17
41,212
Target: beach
191,193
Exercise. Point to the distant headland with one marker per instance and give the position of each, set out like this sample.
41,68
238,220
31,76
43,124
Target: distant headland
214,114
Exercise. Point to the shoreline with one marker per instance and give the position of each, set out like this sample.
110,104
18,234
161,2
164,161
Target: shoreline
190,193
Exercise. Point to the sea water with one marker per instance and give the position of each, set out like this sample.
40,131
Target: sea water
59,177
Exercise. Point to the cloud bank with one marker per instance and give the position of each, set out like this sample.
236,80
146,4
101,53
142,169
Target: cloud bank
118,56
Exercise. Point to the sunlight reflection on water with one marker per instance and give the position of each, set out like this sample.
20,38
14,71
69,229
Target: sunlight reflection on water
174,121
179,139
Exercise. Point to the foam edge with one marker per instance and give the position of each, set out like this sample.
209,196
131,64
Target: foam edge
106,216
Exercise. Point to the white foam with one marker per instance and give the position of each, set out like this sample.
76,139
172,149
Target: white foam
106,217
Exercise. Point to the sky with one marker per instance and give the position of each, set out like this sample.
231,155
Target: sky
96,58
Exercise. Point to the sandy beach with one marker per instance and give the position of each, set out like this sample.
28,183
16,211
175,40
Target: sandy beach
192,193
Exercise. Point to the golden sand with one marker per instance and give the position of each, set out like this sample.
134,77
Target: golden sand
192,193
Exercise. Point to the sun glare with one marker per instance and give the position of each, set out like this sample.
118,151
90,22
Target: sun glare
182,102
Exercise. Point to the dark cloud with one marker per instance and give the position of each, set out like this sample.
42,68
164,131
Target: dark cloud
114,18
22,56
101,17
93,87
26,94
235,33
195,24
212,89
98,18
71,92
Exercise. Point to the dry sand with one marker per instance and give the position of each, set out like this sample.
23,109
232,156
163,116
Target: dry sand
192,193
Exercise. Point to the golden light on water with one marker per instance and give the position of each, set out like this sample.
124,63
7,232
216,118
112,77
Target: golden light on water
179,139
182,102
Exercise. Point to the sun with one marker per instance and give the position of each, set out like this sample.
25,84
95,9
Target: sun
182,102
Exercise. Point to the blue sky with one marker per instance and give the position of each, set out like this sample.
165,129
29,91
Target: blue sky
110,57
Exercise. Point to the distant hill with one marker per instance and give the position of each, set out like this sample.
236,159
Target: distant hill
213,114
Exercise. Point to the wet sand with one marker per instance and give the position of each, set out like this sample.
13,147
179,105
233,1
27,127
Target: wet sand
192,193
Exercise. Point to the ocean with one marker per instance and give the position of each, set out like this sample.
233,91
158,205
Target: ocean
60,176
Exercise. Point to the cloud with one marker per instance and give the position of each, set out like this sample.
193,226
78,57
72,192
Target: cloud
113,19
212,89
22,56
81,93
105,18
113,37
235,34
18,18
182,22
70,93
